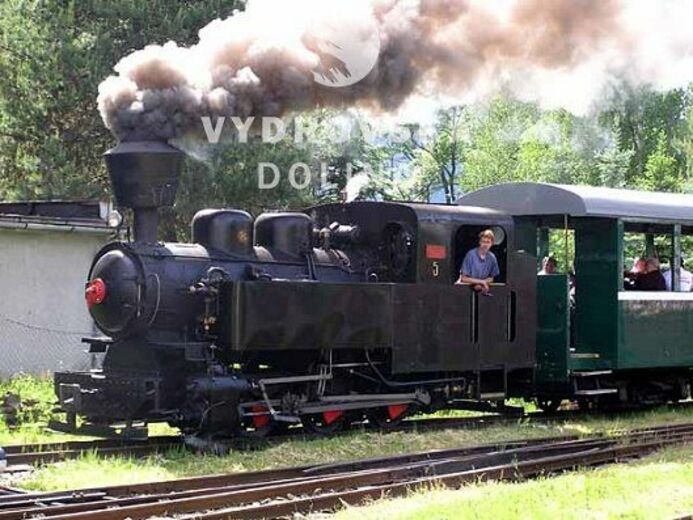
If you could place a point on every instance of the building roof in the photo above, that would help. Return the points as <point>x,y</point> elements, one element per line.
<point>86,209</point>
<point>528,198</point>
<point>58,215</point>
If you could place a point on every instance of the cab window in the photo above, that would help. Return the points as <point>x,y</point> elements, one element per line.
<point>467,238</point>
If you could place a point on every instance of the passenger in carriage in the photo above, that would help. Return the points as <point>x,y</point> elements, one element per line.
<point>548,266</point>
<point>686,278</point>
<point>630,277</point>
<point>480,265</point>
<point>639,265</point>
<point>652,279</point>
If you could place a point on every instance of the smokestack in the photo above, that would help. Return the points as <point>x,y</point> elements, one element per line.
<point>144,176</point>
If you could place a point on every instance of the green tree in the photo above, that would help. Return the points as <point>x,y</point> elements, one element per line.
<point>496,130</point>
<point>661,170</point>
<point>439,161</point>
<point>644,118</point>
<point>612,167</point>
<point>347,145</point>
<point>53,55</point>
<point>684,141</point>
<point>559,147</point>
<point>230,178</point>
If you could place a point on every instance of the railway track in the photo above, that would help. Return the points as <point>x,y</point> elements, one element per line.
<point>31,454</point>
<point>21,457</point>
<point>283,492</point>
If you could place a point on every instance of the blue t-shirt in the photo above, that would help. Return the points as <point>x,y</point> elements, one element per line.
<point>476,267</point>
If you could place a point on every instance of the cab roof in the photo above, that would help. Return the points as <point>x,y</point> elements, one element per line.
<point>427,211</point>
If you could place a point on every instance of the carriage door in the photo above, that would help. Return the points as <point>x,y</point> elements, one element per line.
<point>553,327</point>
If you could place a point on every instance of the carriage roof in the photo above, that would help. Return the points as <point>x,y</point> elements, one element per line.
<point>528,198</point>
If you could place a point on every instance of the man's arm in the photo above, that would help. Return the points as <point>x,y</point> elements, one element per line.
<point>495,270</point>
<point>474,281</point>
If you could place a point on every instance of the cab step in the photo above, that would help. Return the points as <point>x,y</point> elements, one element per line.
<point>594,373</point>
<point>597,391</point>
<point>590,383</point>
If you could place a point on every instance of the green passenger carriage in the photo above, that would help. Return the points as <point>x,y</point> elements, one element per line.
<point>603,344</point>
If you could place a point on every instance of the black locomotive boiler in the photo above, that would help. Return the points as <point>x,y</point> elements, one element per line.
<point>318,317</point>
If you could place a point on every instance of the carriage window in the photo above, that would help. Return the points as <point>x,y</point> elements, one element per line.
<point>467,238</point>
<point>559,245</point>
<point>647,260</point>
<point>686,260</point>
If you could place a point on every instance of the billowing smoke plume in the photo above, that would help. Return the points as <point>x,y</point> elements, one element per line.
<point>277,57</point>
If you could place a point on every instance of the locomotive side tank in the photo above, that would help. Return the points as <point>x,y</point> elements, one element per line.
<point>319,317</point>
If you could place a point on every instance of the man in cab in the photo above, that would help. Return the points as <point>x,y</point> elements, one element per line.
<point>480,265</point>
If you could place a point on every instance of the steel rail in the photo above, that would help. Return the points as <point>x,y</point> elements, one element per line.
<point>265,476</point>
<point>408,471</point>
<point>54,452</point>
<point>527,469</point>
<point>88,444</point>
<point>346,481</point>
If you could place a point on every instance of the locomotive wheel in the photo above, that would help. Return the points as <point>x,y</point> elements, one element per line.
<point>258,432</point>
<point>548,405</point>
<point>388,416</point>
<point>326,423</point>
<point>586,405</point>
<point>262,425</point>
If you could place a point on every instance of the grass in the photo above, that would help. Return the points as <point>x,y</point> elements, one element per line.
<point>91,470</point>
<point>38,400</point>
<point>658,486</point>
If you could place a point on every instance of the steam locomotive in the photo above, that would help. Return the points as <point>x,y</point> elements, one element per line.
<point>323,317</point>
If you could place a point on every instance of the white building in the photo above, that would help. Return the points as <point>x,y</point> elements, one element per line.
<point>46,249</point>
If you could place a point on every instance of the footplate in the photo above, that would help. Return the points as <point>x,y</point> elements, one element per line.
<point>118,396</point>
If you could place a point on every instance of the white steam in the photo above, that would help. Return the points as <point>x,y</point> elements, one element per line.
<point>355,185</point>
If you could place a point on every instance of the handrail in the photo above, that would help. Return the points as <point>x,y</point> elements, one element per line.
<point>655,296</point>
<point>492,284</point>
